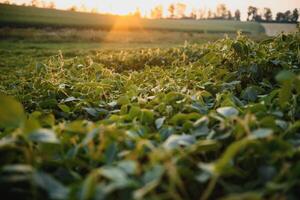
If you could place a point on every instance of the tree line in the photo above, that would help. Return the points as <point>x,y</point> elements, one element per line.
<point>179,11</point>
<point>267,16</point>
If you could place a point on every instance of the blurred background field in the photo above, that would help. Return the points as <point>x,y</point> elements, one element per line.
<point>35,33</point>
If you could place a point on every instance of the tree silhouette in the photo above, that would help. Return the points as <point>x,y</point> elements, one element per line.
<point>237,15</point>
<point>222,11</point>
<point>137,13</point>
<point>253,14</point>
<point>209,14</point>
<point>229,15</point>
<point>171,10</point>
<point>51,5</point>
<point>180,10</point>
<point>157,12</point>
<point>295,15</point>
<point>193,14</point>
<point>73,8</point>
<point>268,14</point>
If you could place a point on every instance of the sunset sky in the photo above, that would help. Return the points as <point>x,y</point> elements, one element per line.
<point>127,6</point>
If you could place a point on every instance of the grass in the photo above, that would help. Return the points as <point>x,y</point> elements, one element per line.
<point>273,29</point>
<point>20,16</point>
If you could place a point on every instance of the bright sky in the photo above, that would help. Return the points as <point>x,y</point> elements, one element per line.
<point>127,6</point>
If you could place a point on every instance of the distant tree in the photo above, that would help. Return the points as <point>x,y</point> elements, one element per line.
<point>237,15</point>
<point>268,14</point>
<point>51,5</point>
<point>288,16</point>
<point>94,10</point>
<point>201,13</point>
<point>193,14</point>
<point>222,11</point>
<point>180,10</point>
<point>209,14</point>
<point>34,3</point>
<point>157,12</point>
<point>43,4</point>
<point>82,8</point>
<point>253,14</point>
<point>229,15</point>
<point>280,17</point>
<point>7,2</point>
<point>73,8</point>
<point>171,10</point>
<point>295,15</point>
<point>137,13</point>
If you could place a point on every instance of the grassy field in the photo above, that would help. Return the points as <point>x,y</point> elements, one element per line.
<point>29,16</point>
<point>273,29</point>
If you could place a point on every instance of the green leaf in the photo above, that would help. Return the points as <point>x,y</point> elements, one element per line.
<point>285,76</point>
<point>111,153</point>
<point>43,136</point>
<point>159,122</point>
<point>64,108</point>
<point>228,112</point>
<point>89,186</point>
<point>147,116</point>
<point>40,67</point>
<point>114,174</point>
<point>285,94</point>
<point>128,166</point>
<point>11,112</point>
<point>175,141</point>
<point>261,133</point>
<point>54,188</point>
<point>123,100</point>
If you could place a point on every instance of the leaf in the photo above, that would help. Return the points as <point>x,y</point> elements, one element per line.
<point>223,164</point>
<point>151,180</point>
<point>17,169</point>
<point>43,136</point>
<point>113,104</point>
<point>285,76</point>
<point>111,153</point>
<point>64,108</point>
<point>159,122</point>
<point>128,166</point>
<point>11,112</point>
<point>96,112</point>
<point>54,188</point>
<point>40,67</point>
<point>175,141</point>
<point>228,112</point>
<point>70,99</point>
<point>250,94</point>
<point>134,112</point>
<point>90,137</point>
<point>261,133</point>
<point>285,94</point>
<point>89,186</point>
<point>147,116</point>
<point>48,103</point>
<point>123,100</point>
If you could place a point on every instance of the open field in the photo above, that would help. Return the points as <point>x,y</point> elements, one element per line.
<point>273,29</point>
<point>29,16</point>
<point>71,35</point>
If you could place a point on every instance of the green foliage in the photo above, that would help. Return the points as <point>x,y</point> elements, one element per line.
<point>218,121</point>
